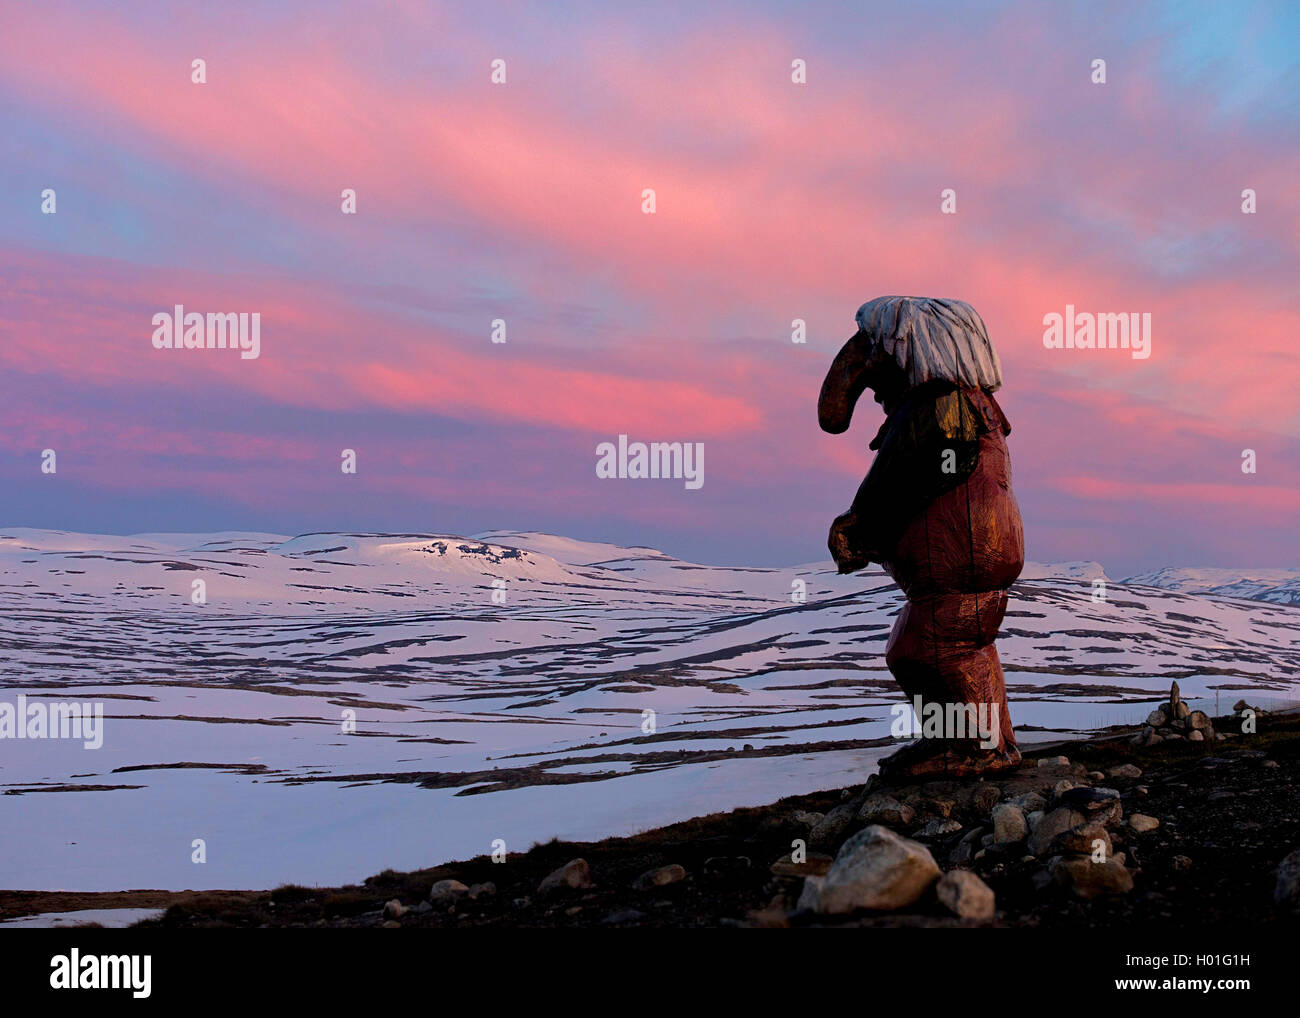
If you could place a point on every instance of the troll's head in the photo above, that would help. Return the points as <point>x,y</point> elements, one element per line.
<point>903,342</point>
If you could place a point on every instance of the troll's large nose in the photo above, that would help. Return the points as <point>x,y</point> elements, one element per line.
<point>845,382</point>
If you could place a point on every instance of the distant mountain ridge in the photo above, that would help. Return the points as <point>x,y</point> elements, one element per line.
<point>1277,586</point>
<point>532,556</point>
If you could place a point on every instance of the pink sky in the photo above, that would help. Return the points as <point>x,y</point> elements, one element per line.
<point>522,202</point>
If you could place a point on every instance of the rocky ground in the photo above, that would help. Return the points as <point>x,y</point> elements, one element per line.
<point>1125,829</point>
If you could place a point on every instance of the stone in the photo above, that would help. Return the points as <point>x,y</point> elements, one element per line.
<point>446,891</point>
<point>966,895</point>
<point>1198,719</point>
<point>877,869</point>
<point>966,848</point>
<point>1056,822</point>
<point>811,893</point>
<point>1182,863</point>
<point>661,877</point>
<point>1087,879</point>
<point>1054,761</point>
<point>574,875</point>
<point>1082,840</point>
<point>1096,776</point>
<point>1029,802</point>
<point>1157,718</point>
<point>1287,892</point>
<point>394,909</point>
<point>484,890</point>
<point>1088,800</point>
<point>827,833</point>
<point>1270,764</point>
<point>1195,736</point>
<point>815,865</point>
<point>807,819</point>
<point>1061,787</point>
<point>626,915</point>
<point>1125,771</point>
<point>1181,711</point>
<point>1175,697</point>
<point>1009,824</point>
<point>938,828</point>
<point>1141,823</point>
<point>1108,816</point>
<point>938,807</point>
<point>884,809</point>
<point>984,797</point>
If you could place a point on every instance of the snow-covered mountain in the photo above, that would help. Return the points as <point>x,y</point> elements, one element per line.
<point>508,684</point>
<point>1280,586</point>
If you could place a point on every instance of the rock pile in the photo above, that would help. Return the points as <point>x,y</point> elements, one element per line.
<point>1058,823</point>
<point>1175,720</point>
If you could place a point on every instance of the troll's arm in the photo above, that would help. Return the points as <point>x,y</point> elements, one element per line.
<point>929,445</point>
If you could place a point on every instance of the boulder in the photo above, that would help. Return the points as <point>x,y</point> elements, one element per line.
<point>661,877</point>
<point>572,876</point>
<point>1141,823</point>
<point>831,828</point>
<point>1082,840</point>
<point>1286,894</point>
<point>966,895</point>
<point>1029,802</point>
<point>394,909</point>
<point>1125,771</point>
<point>884,809</point>
<point>810,895</point>
<point>1088,800</point>
<point>938,828</point>
<point>966,848</point>
<point>445,891</point>
<point>1009,824</point>
<point>877,869</point>
<point>1056,822</point>
<point>984,796</point>
<point>1087,879</point>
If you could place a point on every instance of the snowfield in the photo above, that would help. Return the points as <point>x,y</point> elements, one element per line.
<point>335,704</point>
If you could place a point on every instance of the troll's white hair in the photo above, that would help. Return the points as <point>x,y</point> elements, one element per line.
<point>933,338</point>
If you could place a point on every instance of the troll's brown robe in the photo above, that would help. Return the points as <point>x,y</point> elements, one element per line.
<point>953,542</point>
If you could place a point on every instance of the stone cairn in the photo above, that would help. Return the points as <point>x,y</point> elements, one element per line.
<point>1174,720</point>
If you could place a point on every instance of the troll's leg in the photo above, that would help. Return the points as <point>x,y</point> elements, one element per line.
<point>941,650</point>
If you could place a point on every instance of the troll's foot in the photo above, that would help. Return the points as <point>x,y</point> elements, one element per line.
<point>930,758</point>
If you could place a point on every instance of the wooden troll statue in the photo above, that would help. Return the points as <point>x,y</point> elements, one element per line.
<point>937,512</point>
